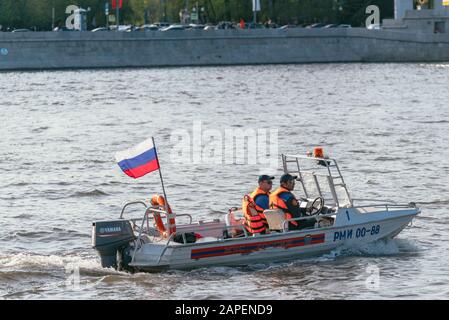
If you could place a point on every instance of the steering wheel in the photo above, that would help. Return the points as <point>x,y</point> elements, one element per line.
<point>316,207</point>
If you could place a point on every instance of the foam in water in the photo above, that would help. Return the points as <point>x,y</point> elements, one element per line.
<point>27,261</point>
<point>376,248</point>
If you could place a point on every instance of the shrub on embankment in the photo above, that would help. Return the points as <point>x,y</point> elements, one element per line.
<point>37,14</point>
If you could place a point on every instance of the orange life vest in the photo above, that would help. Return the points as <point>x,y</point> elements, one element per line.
<point>254,195</point>
<point>277,202</point>
<point>159,201</point>
<point>255,221</point>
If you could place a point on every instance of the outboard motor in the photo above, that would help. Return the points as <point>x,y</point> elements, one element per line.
<point>108,237</point>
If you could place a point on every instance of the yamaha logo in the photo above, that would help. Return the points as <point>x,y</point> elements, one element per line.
<point>110,229</point>
<point>4,51</point>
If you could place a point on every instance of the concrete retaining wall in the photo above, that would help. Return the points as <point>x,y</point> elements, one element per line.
<point>56,50</point>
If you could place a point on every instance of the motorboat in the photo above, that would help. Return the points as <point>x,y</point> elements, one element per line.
<point>139,244</point>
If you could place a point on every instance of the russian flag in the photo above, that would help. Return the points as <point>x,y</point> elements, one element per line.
<point>139,160</point>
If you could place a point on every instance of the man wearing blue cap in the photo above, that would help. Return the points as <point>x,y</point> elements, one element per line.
<point>261,195</point>
<point>255,221</point>
<point>283,199</point>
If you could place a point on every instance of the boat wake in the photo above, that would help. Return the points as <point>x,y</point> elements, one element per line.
<point>390,247</point>
<point>442,202</point>
<point>51,264</point>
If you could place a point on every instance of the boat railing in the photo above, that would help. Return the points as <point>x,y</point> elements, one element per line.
<point>151,217</point>
<point>374,200</point>
<point>387,205</point>
<point>129,204</point>
<point>163,214</point>
<point>152,210</point>
<point>146,218</point>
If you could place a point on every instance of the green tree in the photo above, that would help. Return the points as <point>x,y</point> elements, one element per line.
<point>38,13</point>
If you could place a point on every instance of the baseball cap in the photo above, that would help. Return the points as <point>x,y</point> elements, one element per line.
<point>287,177</point>
<point>265,177</point>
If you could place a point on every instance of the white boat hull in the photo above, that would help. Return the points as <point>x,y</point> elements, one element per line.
<point>358,228</point>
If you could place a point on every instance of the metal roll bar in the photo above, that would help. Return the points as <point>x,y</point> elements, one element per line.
<point>164,214</point>
<point>131,203</point>
<point>328,165</point>
<point>146,217</point>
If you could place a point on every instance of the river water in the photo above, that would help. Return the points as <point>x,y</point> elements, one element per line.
<point>388,124</point>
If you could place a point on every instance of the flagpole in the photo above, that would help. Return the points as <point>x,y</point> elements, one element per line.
<point>162,182</point>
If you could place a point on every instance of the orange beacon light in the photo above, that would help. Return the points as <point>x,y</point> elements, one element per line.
<point>318,152</point>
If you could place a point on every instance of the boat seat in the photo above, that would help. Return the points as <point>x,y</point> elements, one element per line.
<point>275,219</point>
<point>235,219</point>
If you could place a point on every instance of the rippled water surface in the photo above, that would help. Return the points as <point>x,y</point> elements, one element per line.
<point>388,124</point>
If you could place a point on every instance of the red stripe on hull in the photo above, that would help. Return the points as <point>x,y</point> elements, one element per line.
<point>241,248</point>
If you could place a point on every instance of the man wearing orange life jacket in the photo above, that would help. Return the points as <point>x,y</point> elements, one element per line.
<point>258,201</point>
<point>283,199</point>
